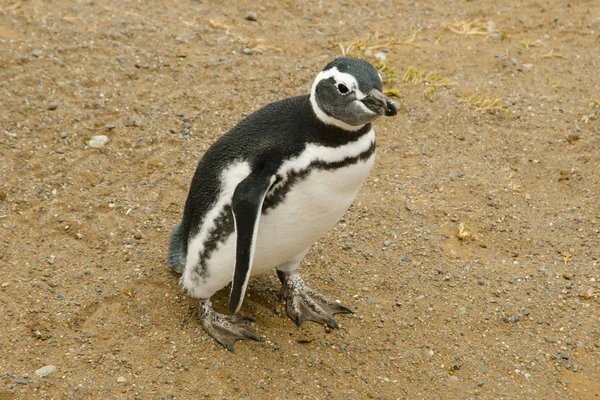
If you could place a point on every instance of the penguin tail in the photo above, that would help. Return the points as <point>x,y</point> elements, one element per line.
<point>176,257</point>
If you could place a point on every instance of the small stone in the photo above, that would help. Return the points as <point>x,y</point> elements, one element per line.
<point>453,378</point>
<point>53,105</point>
<point>567,276</point>
<point>381,56</point>
<point>97,141</point>
<point>550,340</point>
<point>248,51</point>
<point>304,339</point>
<point>406,259</point>
<point>527,67</point>
<point>45,371</point>
<point>251,16</point>
<point>63,135</point>
<point>371,300</point>
<point>4,284</point>
<point>110,127</point>
<point>365,289</point>
<point>121,379</point>
<point>2,195</point>
<point>137,235</point>
<point>572,137</point>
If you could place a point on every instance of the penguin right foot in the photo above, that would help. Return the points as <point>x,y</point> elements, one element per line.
<point>225,329</point>
<point>305,304</point>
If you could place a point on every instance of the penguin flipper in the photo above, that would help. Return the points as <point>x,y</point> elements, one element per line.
<point>247,202</point>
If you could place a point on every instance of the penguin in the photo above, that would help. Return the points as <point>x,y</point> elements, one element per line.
<point>272,186</point>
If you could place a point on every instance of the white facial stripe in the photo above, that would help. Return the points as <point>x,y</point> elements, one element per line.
<point>339,77</point>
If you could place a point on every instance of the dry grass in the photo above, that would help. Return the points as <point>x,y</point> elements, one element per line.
<point>483,103</point>
<point>551,83</point>
<point>551,54</point>
<point>470,28</point>
<point>431,79</point>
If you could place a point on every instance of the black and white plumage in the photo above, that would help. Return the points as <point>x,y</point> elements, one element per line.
<point>273,185</point>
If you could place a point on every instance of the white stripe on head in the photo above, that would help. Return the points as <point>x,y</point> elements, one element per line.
<point>340,77</point>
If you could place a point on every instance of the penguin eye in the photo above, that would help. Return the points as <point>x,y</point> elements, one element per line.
<point>343,89</point>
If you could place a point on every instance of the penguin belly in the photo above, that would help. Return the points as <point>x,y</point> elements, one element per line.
<point>312,207</point>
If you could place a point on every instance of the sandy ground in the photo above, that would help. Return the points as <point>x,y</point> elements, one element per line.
<point>470,257</point>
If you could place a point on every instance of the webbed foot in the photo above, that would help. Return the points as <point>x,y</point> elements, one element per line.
<point>304,304</point>
<point>225,329</point>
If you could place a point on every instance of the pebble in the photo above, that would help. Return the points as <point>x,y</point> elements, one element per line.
<point>45,371</point>
<point>137,235</point>
<point>121,379</point>
<point>110,127</point>
<point>527,66</point>
<point>381,56</point>
<point>371,300</point>
<point>251,16</point>
<point>248,51</point>
<point>406,259</point>
<point>97,141</point>
<point>567,276</point>
<point>53,105</point>
<point>550,340</point>
<point>365,289</point>
<point>453,378</point>
<point>303,338</point>
<point>63,135</point>
<point>572,137</point>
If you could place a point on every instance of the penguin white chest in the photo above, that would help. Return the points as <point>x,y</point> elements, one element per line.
<point>323,184</point>
<point>311,207</point>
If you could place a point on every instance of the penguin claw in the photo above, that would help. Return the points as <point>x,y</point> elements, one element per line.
<point>225,329</point>
<point>304,304</point>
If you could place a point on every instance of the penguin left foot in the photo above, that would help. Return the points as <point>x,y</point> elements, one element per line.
<point>225,329</point>
<point>304,304</point>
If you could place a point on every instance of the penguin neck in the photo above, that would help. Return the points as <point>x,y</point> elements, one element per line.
<point>332,135</point>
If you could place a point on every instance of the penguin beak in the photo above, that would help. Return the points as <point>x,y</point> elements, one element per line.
<point>380,104</point>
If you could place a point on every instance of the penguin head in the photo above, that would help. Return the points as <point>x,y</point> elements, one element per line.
<point>347,94</point>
